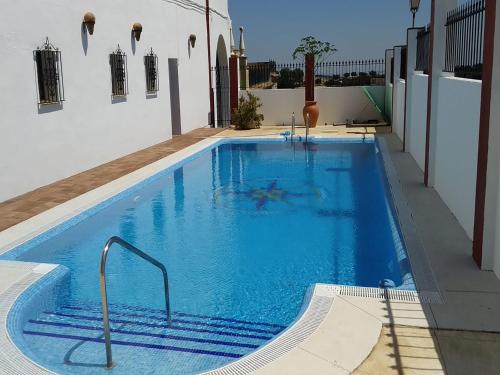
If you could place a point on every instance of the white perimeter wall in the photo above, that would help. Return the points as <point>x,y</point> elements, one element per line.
<point>38,147</point>
<point>336,104</point>
<point>456,146</point>
<point>417,118</point>
<point>398,110</point>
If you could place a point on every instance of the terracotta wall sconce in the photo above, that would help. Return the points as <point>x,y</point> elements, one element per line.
<point>137,30</point>
<point>192,40</point>
<point>89,22</point>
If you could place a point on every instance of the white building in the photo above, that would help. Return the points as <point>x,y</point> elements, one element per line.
<point>41,143</point>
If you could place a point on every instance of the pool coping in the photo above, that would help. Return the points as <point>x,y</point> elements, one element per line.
<point>365,299</point>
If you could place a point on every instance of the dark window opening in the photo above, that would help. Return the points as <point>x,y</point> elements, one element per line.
<point>404,63</point>
<point>152,76</point>
<point>392,69</point>
<point>118,62</point>
<point>49,74</point>
<point>423,45</point>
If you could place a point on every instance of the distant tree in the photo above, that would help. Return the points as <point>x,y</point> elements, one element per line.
<point>311,46</point>
<point>290,79</point>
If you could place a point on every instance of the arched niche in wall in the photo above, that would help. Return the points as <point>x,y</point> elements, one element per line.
<point>223,112</point>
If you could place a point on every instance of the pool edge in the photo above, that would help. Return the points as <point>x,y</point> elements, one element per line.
<point>12,358</point>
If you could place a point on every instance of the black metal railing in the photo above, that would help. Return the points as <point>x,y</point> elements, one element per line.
<point>260,73</point>
<point>465,40</point>
<point>423,48</point>
<point>49,74</point>
<point>350,73</point>
<point>335,73</point>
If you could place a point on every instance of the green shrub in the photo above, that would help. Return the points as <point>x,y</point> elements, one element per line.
<point>247,116</point>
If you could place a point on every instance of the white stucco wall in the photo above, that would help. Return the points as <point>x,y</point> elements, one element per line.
<point>456,146</point>
<point>40,146</point>
<point>336,104</point>
<point>417,117</point>
<point>398,110</point>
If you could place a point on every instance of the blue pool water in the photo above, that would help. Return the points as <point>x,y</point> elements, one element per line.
<point>243,229</point>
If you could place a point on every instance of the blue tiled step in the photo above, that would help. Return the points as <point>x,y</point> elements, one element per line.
<point>145,328</point>
<point>179,321</point>
<point>146,334</point>
<point>136,344</point>
<point>157,325</point>
<point>119,307</point>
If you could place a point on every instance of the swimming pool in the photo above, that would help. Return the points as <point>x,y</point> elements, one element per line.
<point>244,228</point>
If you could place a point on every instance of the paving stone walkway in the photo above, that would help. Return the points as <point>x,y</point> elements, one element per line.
<point>23,207</point>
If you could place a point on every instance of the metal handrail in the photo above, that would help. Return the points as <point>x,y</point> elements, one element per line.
<point>104,295</point>
<point>293,125</point>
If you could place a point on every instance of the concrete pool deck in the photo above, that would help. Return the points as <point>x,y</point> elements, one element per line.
<point>450,337</point>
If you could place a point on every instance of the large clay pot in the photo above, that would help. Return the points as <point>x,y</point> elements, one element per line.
<point>312,109</point>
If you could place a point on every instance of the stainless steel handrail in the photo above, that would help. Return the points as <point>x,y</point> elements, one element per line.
<point>104,295</point>
<point>293,125</point>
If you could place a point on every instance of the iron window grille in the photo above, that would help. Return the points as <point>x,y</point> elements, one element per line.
<point>49,76</point>
<point>152,76</point>
<point>119,79</point>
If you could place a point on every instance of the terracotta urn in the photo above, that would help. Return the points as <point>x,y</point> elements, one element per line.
<point>312,109</point>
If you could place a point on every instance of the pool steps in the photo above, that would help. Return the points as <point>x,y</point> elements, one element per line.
<point>148,329</point>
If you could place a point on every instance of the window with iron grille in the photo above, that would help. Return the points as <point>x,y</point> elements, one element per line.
<point>119,82</point>
<point>152,77</point>
<point>49,74</point>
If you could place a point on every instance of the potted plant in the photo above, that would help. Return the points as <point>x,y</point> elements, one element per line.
<point>247,116</point>
<point>312,51</point>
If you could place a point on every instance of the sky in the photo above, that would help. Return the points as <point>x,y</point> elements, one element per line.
<point>359,29</point>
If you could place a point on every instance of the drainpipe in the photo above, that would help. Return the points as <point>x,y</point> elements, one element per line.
<point>210,83</point>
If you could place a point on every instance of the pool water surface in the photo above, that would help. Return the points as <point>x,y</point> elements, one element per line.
<point>243,230</point>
